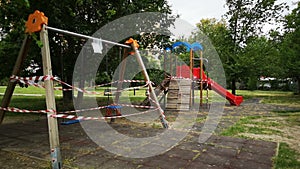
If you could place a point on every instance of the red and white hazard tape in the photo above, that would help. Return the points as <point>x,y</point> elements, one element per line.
<point>82,110</point>
<point>132,88</point>
<point>72,117</point>
<point>17,110</point>
<point>31,81</point>
<point>33,78</point>
<point>136,106</point>
<point>76,88</point>
<point>49,77</point>
<point>13,109</point>
<point>124,81</point>
<point>183,78</point>
<point>158,107</point>
<point>104,107</point>
<point>82,118</point>
<point>132,81</point>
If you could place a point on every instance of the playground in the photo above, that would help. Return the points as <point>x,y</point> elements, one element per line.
<point>20,133</point>
<point>249,132</point>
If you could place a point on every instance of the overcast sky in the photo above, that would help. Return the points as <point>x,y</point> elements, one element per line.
<point>193,11</point>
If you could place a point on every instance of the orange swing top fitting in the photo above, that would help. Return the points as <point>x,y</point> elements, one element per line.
<point>35,22</point>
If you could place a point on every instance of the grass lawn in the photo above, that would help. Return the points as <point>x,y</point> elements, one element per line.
<point>287,158</point>
<point>29,90</point>
<point>272,97</point>
<point>23,99</point>
<point>282,126</point>
<point>257,127</point>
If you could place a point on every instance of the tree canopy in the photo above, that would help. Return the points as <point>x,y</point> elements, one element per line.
<point>81,16</point>
<point>246,19</point>
<point>246,51</point>
<point>290,46</point>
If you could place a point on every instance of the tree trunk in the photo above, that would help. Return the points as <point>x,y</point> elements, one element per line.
<point>233,86</point>
<point>81,77</point>
<point>67,94</point>
<point>298,91</point>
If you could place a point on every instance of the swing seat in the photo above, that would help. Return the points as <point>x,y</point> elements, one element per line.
<point>111,108</point>
<point>70,122</point>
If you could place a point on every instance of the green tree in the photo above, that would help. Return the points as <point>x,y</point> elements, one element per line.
<point>82,16</point>
<point>290,56</point>
<point>259,58</point>
<point>246,19</point>
<point>12,29</point>
<point>219,37</point>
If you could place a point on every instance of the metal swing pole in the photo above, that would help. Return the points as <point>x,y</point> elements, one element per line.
<point>86,36</point>
<point>137,54</point>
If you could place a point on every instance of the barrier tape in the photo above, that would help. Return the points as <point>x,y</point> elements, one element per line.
<point>82,110</point>
<point>158,107</point>
<point>126,81</point>
<point>183,78</point>
<point>17,110</point>
<point>33,78</point>
<point>132,88</point>
<point>72,117</point>
<point>31,81</point>
<point>48,77</point>
<point>13,109</point>
<point>136,106</point>
<point>83,118</point>
<point>104,107</point>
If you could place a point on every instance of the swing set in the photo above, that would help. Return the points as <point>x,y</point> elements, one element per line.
<point>38,23</point>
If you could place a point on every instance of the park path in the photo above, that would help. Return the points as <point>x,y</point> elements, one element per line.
<point>30,140</point>
<point>25,145</point>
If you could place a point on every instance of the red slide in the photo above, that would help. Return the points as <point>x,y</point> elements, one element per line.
<point>183,71</point>
<point>233,99</point>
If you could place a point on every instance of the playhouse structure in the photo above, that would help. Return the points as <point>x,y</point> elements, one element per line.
<point>179,87</point>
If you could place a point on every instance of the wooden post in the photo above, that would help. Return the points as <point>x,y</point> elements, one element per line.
<point>201,79</point>
<point>121,76</point>
<point>50,102</point>
<point>165,59</point>
<point>171,65</point>
<point>192,77</point>
<point>175,65</point>
<point>151,90</point>
<point>16,71</point>
<point>166,75</point>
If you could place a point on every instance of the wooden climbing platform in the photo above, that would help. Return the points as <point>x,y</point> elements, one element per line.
<point>179,95</point>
